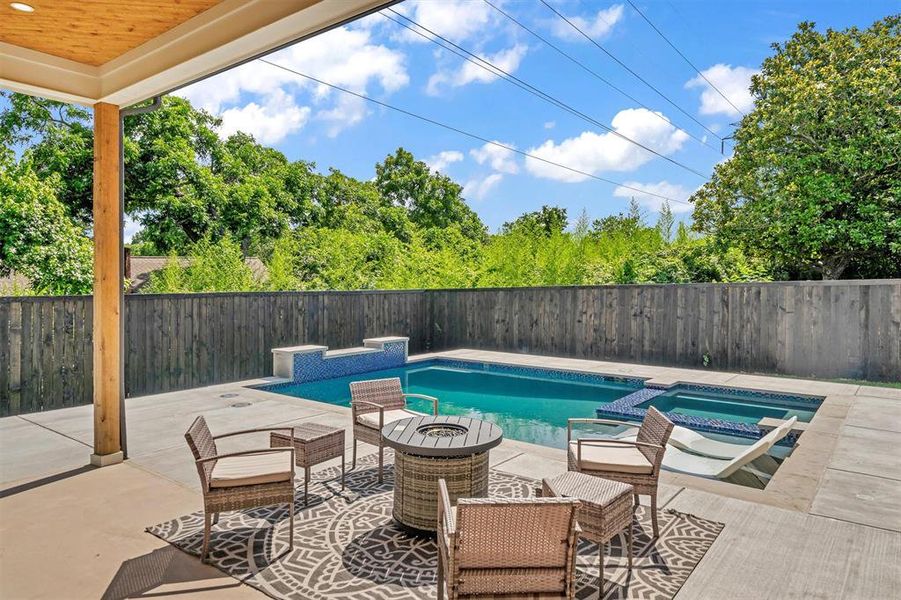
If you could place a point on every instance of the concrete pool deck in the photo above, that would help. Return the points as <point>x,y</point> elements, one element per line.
<point>827,526</point>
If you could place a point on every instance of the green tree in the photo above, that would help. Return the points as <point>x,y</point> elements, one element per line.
<point>219,266</point>
<point>548,220</point>
<point>59,147</point>
<point>37,236</point>
<point>814,185</point>
<point>168,181</point>
<point>282,266</point>
<point>213,266</point>
<point>433,199</point>
<point>665,222</point>
<point>623,224</point>
<point>171,279</point>
<point>339,259</point>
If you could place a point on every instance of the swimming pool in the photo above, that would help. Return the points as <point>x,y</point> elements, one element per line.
<point>532,404</point>
<point>529,404</point>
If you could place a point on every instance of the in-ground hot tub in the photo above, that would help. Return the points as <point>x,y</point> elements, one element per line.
<point>714,409</point>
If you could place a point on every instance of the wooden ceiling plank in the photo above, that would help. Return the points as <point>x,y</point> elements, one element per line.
<point>93,32</point>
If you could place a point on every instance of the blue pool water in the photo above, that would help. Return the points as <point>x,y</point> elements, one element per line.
<point>528,404</point>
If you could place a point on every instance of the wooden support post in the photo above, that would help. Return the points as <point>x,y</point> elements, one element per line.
<point>108,288</point>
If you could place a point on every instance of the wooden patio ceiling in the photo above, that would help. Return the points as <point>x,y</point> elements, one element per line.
<point>124,51</point>
<point>93,32</point>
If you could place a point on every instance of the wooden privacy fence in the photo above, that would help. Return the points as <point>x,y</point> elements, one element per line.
<point>822,329</point>
<point>181,341</point>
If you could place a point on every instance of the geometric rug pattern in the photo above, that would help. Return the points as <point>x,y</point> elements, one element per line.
<point>346,545</point>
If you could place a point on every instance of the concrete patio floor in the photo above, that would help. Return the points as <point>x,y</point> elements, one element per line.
<point>827,526</point>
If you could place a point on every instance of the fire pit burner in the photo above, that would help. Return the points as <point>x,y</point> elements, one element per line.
<point>442,430</point>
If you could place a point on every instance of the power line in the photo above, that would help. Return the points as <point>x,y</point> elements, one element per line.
<point>595,74</point>
<point>685,58</point>
<point>627,68</point>
<point>467,133</point>
<point>499,72</point>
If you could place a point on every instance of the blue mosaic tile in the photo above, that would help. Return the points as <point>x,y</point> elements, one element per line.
<point>544,372</point>
<point>798,399</point>
<point>313,366</point>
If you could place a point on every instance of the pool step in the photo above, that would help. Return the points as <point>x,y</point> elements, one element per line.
<point>306,363</point>
<point>767,424</point>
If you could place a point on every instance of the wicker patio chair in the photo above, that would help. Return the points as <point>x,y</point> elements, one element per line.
<point>634,462</point>
<point>506,547</point>
<point>238,480</point>
<point>374,404</point>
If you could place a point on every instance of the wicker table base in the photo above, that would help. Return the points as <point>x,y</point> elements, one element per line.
<point>314,443</point>
<point>606,510</point>
<point>416,486</point>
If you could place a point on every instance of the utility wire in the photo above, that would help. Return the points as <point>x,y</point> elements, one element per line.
<point>685,58</point>
<point>499,72</point>
<point>468,134</point>
<point>596,75</point>
<point>627,68</point>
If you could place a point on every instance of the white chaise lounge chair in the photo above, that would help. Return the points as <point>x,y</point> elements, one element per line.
<point>715,468</point>
<point>691,441</point>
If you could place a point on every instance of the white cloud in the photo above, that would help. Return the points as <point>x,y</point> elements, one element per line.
<point>269,123</point>
<point>734,82</point>
<point>674,191</point>
<point>596,26</point>
<point>469,72</point>
<point>550,124</point>
<point>345,56</point>
<point>440,161</point>
<point>500,159</point>
<point>477,189</point>
<point>131,227</point>
<point>457,20</point>
<point>347,111</point>
<point>593,152</point>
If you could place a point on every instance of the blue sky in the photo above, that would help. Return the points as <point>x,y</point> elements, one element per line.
<point>726,40</point>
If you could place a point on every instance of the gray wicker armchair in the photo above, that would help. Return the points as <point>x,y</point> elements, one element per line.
<point>374,404</point>
<point>506,547</point>
<point>636,463</point>
<point>238,480</point>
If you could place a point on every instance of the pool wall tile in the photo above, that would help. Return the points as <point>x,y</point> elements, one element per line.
<point>547,373</point>
<point>314,363</point>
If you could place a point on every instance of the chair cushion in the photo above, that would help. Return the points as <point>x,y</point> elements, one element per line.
<point>518,582</point>
<point>621,458</point>
<point>253,469</point>
<point>371,419</point>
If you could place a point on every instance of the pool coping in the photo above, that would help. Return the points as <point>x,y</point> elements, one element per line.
<point>794,484</point>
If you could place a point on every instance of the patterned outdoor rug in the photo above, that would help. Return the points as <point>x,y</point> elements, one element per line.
<point>346,545</point>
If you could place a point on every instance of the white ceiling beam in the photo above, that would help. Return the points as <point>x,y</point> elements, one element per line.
<point>39,74</point>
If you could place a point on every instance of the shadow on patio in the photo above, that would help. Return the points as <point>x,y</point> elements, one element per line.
<point>164,572</point>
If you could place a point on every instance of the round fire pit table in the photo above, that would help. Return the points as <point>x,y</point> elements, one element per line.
<point>427,449</point>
